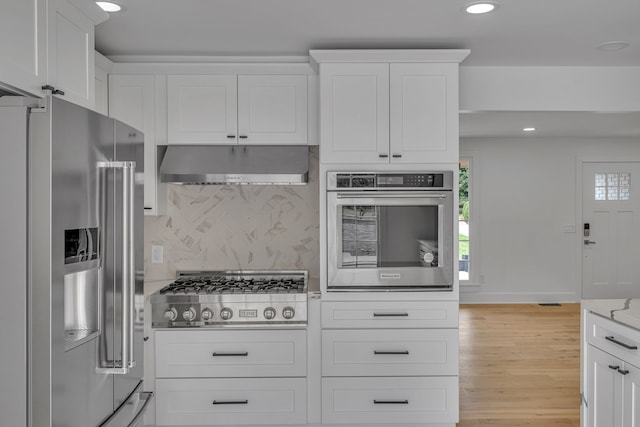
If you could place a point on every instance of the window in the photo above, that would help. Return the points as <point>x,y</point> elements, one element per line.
<point>464,229</point>
<point>613,186</point>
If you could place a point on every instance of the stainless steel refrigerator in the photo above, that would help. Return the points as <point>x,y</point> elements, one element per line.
<point>71,259</point>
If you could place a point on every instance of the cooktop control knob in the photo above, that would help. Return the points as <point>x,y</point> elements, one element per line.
<point>269,313</point>
<point>428,257</point>
<point>206,314</point>
<point>226,313</point>
<point>170,314</point>
<point>189,314</point>
<point>288,313</point>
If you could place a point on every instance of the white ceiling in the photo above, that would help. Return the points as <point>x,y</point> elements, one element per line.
<point>518,33</point>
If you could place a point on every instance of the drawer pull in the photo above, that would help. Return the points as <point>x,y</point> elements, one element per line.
<point>390,402</point>
<point>623,371</point>
<point>230,402</point>
<point>620,343</point>
<point>391,352</point>
<point>246,353</point>
<point>614,367</point>
<point>390,314</point>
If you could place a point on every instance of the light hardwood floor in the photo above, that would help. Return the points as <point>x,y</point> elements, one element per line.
<point>519,365</point>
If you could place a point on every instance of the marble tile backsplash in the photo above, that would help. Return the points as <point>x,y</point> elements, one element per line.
<point>237,227</point>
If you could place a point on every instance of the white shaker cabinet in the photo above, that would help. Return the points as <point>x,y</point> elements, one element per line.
<point>611,373</point>
<point>388,105</point>
<point>132,99</point>
<point>23,50</point>
<point>231,109</point>
<point>389,113</point>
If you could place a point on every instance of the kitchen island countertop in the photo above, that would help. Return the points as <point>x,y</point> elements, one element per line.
<point>625,311</point>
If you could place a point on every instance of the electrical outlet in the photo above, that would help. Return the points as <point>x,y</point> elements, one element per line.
<point>157,254</point>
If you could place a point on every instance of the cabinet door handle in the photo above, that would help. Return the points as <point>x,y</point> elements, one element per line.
<point>390,314</point>
<point>614,367</point>
<point>621,344</point>
<point>231,136</point>
<point>243,137</point>
<point>396,156</point>
<point>391,352</point>
<point>390,402</point>
<point>623,371</point>
<point>383,156</point>
<point>246,353</point>
<point>230,402</point>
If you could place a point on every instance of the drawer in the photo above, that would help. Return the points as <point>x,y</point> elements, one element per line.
<point>614,338</point>
<point>231,353</point>
<point>390,400</point>
<point>390,314</point>
<point>231,401</point>
<point>389,352</point>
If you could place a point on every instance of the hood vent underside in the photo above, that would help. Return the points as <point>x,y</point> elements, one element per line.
<point>238,164</point>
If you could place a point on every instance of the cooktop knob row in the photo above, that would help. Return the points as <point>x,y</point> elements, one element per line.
<point>226,313</point>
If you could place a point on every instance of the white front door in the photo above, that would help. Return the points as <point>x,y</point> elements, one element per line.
<point>610,230</point>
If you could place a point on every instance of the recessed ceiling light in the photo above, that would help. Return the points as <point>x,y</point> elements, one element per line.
<point>109,6</point>
<point>529,129</point>
<point>614,45</point>
<point>481,7</point>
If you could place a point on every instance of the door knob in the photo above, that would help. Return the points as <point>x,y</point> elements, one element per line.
<point>589,242</point>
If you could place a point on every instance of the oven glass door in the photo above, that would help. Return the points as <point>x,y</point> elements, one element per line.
<point>394,239</point>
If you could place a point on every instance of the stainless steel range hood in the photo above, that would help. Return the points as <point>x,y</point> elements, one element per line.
<point>238,164</point>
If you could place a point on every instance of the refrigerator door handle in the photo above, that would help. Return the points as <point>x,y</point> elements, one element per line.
<point>128,267</point>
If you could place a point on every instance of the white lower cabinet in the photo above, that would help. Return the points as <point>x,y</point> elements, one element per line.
<point>612,383</point>
<point>390,400</point>
<point>225,401</point>
<point>390,362</point>
<point>231,377</point>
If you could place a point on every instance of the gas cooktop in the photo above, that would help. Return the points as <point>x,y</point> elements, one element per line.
<point>232,298</point>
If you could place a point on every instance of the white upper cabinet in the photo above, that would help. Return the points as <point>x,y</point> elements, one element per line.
<point>424,113</point>
<point>202,109</point>
<point>23,51</point>
<point>50,43</point>
<point>389,106</point>
<point>354,113</point>
<point>249,109</point>
<point>132,100</point>
<point>272,109</point>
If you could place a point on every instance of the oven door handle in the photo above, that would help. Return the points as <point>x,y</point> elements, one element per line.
<point>388,195</point>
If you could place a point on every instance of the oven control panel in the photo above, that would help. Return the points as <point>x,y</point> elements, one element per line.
<point>426,180</point>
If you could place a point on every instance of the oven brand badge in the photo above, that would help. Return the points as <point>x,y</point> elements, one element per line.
<point>390,276</point>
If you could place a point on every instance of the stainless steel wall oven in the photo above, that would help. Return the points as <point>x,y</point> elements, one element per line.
<point>390,231</point>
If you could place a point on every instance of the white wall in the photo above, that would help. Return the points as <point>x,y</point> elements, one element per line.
<point>526,194</point>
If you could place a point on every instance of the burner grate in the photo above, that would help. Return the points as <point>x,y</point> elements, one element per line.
<point>226,285</point>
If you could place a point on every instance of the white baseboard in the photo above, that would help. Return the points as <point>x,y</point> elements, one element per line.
<point>474,296</point>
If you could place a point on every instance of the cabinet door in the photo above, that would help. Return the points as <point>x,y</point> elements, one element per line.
<point>631,393</point>
<point>101,91</point>
<point>23,51</point>
<point>71,55</point>
<point>132,100</point>
<point>202,109</point>
<point>604,389</point>
<point>424,113</point>
<point>354,113</point>
<point>272,109</point>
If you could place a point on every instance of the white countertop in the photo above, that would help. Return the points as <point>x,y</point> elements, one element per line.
<point>625,311</point>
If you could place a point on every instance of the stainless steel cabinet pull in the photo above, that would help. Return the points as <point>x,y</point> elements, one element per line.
<point>231,136</point>
<point>390,314</point>
<point>391,402</point>
<point>243,137</point>
<point>623,371</point>
<point>246,353</point>
<point>620,343</point>
<point>391,352</point>
<point>230,402</point>
<point>396,156</point>
<point>614,367</point>
<point>383,156</point>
